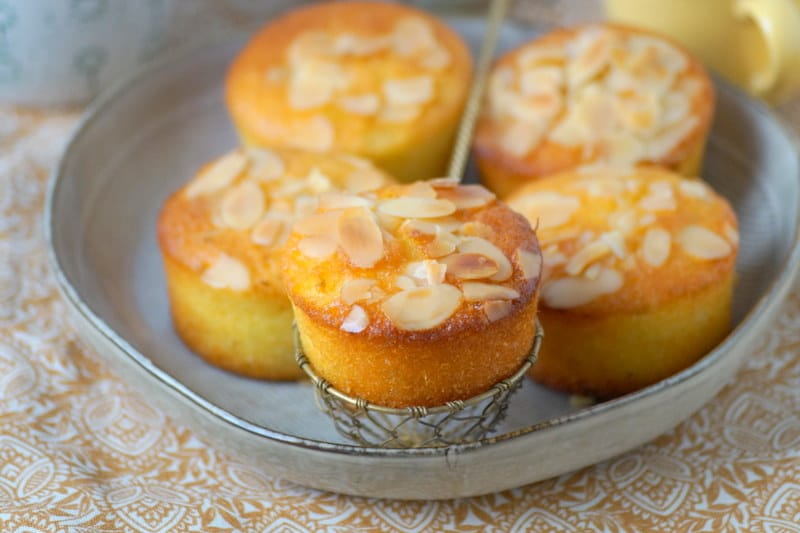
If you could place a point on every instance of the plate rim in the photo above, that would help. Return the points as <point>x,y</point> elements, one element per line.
<point>773,296</point>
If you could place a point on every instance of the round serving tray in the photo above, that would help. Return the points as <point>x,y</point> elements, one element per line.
<point>143,140</point>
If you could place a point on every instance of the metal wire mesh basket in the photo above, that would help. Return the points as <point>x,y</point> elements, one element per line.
<point>456,422</point>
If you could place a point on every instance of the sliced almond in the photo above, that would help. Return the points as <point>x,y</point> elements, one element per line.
<point>422,308</point>
<point>474,228</point>
<point>417,207</point>
<point>400,114</point>
<point>497,309</point>
<point>316,134</point>
<point>357,45</point>
<point>470,266</point>
<point>659,198</point>
<point>269,232</point>
<point>363,104</point>
<point>538,54</point>
<point>360,237</point>
<point>546,79</point>
<point>419,189</point>
<point>242,206</point>
<point>656,246</point>
<point>317,181</point>
<point>324,224</point>
<point>265,164</point>
<point>356,290</point>
<point>467,196</point>
<point>416,228</point>
<point>338,200</point>
<point>443,243</point>
<point>566,293</point>
<point>624,221</point>
<point>586,256</point>
<point>475,291</point>
<point>444,183</point>
<point>317,246</point>
<point>520,138</point>
<point>227,273</point>
<point>305,205</point>
<point>436,59</point>
<point>694,189</point>
<point>409,91</point>
<point>364,179</point>
<point>624,150</point>
<point>670,138</point>
<point>309,45</point>
<point>477,245</point>
<point>616,242</point>
<point>703,243</point>
<point>731,234</point>
<point>412,35</point>
<point>405,283</point>
<point>530,263</point>
<point>592,53</point>
<point>547,209</point>
<point>218,175</point>
<point>428,272</point>
<point>356,321</point>
<point>308,96</point>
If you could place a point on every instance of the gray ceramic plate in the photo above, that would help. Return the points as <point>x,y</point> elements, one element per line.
<point>148,137</point>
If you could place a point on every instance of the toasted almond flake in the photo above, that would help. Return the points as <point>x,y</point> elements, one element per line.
<point>360,237</point>
<point>647,219</point>
<point>309,96</point>
<point>405,283</point>
<point>659,197</point>
<point>676,108</point>
<point>305,205</point>
<point>356,45</point>
<point>428,272</point>
<point>530,263</point>
<point>624,221</point>
<point>242,205</point>
<point>566,293</point>
<point>316,134</point>
<point>539,54</point>
<point>363,104</point>
<point>388,222</point>
<point>318,182</point>
<point>408,91</point>
<point>595,112</point>
<point>417,207</point>
<point>444,183</point>
<point>422,308</point>
<point>593,272</point>
<point>497,309</point>
<point>500,86</point>
<point>670,138</point>
<point>400,114</point>
<point>218,175</point>
<point>476,291</point>
<point>269,232</point>
<point>477,245</point>
<point>519,138</point>
<point>412,35</point>
<point>694,189</point>
<point>419,189</point>
<point>623,150</point>
<point>474,228</point>
<point>356,321</point>
<point>537,109</point>
<point>703,243</point>
<point>593,52</point>
<point>227,273</point>
<point>548,209</point>
<point>319,224</point>
<point>309,45</point>
<point>656,246</point>
<point>544,79</point>
<point>467,196</point>
<point>616,242</point>
<point>364,179</point>
<point>586,256</point>
<point>265,164</point>
<point>470,266</point>
<point>731,234</point>
<point>317,246</point>
<point>436,59</point>
<point>338,200</point>
<point>356,290</point>
<point>443,243</point>
<point>416,228</point>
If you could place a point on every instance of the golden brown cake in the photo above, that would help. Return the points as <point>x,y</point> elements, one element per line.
<point>638,276</point>
<point>382,80</point>
<point>414,295</point>
<point>221,237</point>
<point>597,94</point>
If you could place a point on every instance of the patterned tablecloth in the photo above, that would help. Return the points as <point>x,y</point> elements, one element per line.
<point>81,451</point>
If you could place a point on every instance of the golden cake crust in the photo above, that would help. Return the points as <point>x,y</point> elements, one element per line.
<point>638,275</point>
<point>542,116</point>
<point>374,79</point>
<point>375,328</point>
<point>221,236</point>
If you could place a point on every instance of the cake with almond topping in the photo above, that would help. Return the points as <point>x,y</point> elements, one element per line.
<point>221,236</point>
<point>414,295</point>
<point>381,80</point>
<point>638,276</point>
<point>599,94</point>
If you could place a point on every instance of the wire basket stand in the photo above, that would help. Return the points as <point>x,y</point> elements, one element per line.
<point>456,422</point>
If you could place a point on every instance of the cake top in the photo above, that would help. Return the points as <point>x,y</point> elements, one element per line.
<point>613,239</point>
<point>233,218</point>
<point>429,256</point>
<point>357,76</point>
<point>621,95</point>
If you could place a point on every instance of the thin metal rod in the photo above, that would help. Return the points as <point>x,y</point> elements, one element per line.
<point>458,161</point>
